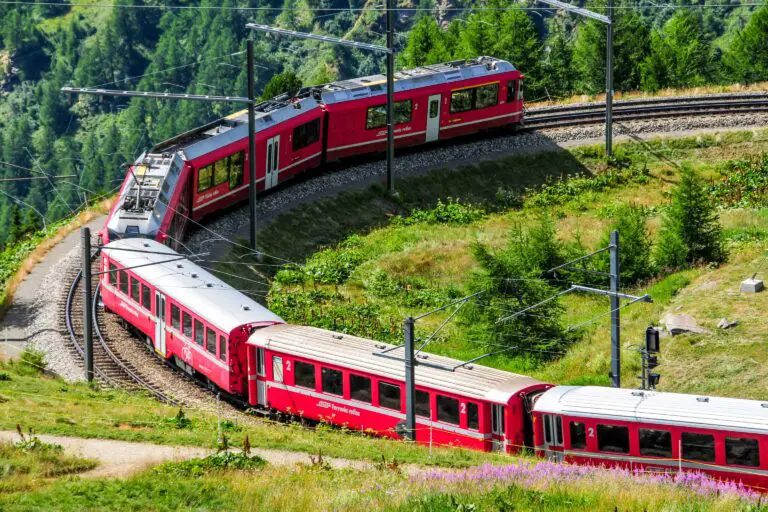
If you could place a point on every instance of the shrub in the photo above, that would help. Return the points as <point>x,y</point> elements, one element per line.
<point>33,360</point>
<point>180,421</point>
<point>452,212</point>
<point>744,183</point>
<point>634,244</point>
<point>196,468</point>
<point>690,229</point>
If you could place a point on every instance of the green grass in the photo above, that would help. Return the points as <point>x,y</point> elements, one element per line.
<point>431,262</point>
<point>317,487</point>
<point>27,465</point>
<point>48,405</point>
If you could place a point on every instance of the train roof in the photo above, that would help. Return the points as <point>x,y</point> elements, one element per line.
<point>222,132</point>
<point>423,76</point>
<point>656,407</point>
<point>352,352</point>
<point>190,285</point>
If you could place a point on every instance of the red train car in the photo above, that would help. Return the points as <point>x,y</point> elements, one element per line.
<point>338,378</point>
<point>205,170</point>
<point>185,313</point>
<point>726,438</point>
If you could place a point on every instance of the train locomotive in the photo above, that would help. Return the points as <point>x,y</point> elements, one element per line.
<point>242,349</point>
<point>202,171</point>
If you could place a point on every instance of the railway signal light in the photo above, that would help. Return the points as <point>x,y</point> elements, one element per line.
<point>653,362</point>
<point>653,380</point>
<point>652,342</point>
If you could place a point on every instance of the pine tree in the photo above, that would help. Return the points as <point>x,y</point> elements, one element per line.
<point>285,82</point>
<point>558,70</point>
<point>690,229</point>
<point>426,45</point>
<point>746,59</point>
<point>635,244</point>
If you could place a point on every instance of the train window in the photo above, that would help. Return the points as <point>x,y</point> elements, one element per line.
<point>123,282</point>
<point>558,430</point>
<point>146,297</point>
<point>236,163</point>
<point>487,96</point>
<point>333,381</point>
<point>220,171</point>
<point>223,350</point>
<point>175,317</point>
<point>199,332</point>
<point>422,406</point>
<point>655,443</point>
<point>112,274</point>
<point>462,100</point>
<point>210,340</point>
<point>742,451</point>
<point>377,116</point>
<point>698,447</point>
<point>511,91</point>
<point>277,369</point>
<point>578,435</point>
<point>547,429</point>
<point>434,108</point>
<point>204,178</point>
<point>304,374</point>
<point>360,388</point>
<point>389,395</point>
<point>612,438</point>
<point>306,134</point>
<point>135,291</point>
<point>187,322</point>
<point>473,416</point>
<point>447,409</point>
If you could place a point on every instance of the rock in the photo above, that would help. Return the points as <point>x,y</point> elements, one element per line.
<point>680,323</point>
<point>725,324</point>
<point>751,285</point>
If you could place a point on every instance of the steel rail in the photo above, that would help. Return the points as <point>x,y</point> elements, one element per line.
<point>116,360</point>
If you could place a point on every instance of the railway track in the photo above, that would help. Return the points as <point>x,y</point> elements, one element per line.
<point>110,369</point>
<point>646,109</point>
<point>121,361</point>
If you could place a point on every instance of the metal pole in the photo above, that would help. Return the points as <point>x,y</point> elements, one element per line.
<point>615,318</point>
<point>251,144</point>
<point>87,304</point>
<point>390,96</point>
<point>609,84</point>
<point>410,381</point>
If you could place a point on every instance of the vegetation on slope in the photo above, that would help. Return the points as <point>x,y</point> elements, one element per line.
<point>194,48</point>
<point>368,283</point>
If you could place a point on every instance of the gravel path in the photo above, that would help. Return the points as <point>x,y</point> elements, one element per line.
<point>466,151</point>
<point>123,458</point>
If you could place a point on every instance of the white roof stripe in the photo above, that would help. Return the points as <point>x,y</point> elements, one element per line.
<point>205,295</point>
<point>705,412</point>
<point>356,353</point>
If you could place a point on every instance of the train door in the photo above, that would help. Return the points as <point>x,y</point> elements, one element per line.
<point>261,385</point>
<point>553,436</point>
<point>273,162</point>
<point>433,118</point>
<point>160,323</point>
<point>498,437</point>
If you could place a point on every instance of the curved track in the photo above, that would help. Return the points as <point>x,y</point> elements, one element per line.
<point>108,366</point>
<point>114,367</point>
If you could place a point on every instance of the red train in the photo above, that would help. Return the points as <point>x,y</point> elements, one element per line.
<point>204,170</point>
<point>216,333</point>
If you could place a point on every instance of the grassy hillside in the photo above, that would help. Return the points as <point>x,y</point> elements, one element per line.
<point>370,282</point>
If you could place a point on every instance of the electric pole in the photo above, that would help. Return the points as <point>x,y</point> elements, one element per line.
<point>87,304</point>
<point>615,317</point>
<point>251,143</point>
<point>609,84</point>
<point>410,381</point>
<point>390,95</point>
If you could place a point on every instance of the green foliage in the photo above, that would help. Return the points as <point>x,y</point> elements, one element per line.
<point>198,468</point>
<point>180,420</point>
<point>511,280</point>
<point>681,53</point>
<point>451,212</point>
<point>634,243</point>
<point>282,83</point>
<point>427,44</point>
<point>743,183</point>
<point>690,230</point>
<point>747,57</point>
<point>33,360</point>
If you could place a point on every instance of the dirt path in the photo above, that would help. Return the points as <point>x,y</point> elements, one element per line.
<point>21,314</point>
<point>119,459</point>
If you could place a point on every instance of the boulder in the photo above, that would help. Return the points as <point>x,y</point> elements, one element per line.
<point>724,323</point>
<point>680,323</point>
